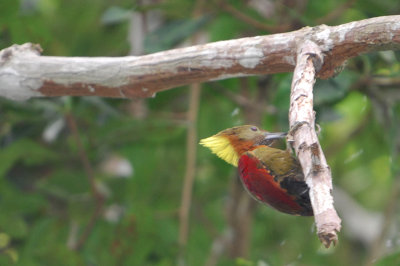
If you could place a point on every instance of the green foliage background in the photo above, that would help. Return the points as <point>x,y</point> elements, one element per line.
<point>44,190</point>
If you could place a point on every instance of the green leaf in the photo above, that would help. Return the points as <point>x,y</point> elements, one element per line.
<point>219,28</point>
<point>333,90</point>
<point>14,225</point>
<point>391,259</point>
<point>28,151</point>
<point>173,33</point>
<point>115,15</point>
<point>14,201</point>
<point>4,240</point>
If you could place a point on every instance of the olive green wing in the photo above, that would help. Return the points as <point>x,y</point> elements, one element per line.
<point>281,162</point>
<point>286,170</point>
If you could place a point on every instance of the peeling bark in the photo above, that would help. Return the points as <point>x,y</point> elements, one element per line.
<point>25,74</point>
<point>304,139</point>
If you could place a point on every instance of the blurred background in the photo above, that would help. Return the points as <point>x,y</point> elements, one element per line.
<point>94,181</point>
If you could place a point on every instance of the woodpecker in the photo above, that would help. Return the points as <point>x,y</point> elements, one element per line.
<point>272,176</point>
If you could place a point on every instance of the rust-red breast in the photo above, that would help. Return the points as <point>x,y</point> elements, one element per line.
<point>266,187</point>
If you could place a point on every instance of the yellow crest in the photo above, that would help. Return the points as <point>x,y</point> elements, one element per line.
<point>222,147</point>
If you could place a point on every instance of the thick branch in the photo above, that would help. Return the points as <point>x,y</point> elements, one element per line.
<point>306,145</point>
<point>25,74</point>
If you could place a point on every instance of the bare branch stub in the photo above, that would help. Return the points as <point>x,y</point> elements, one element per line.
<point>306,144</point>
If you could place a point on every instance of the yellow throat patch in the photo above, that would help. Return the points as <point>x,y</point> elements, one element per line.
<point>222,147</point>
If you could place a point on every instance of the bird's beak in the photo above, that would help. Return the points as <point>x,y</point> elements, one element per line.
<point>272,136</point>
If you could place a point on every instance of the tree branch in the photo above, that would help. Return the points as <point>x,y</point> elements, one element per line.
<point>25,74</point>
<point>191,151</point>
<point>305,142</point>
<point>190,172</point>
<point>96,194</point>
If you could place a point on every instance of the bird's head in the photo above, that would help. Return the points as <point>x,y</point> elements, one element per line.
<point>231,143</point>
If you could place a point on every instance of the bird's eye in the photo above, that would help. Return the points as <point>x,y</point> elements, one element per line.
<point>254,128</point>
